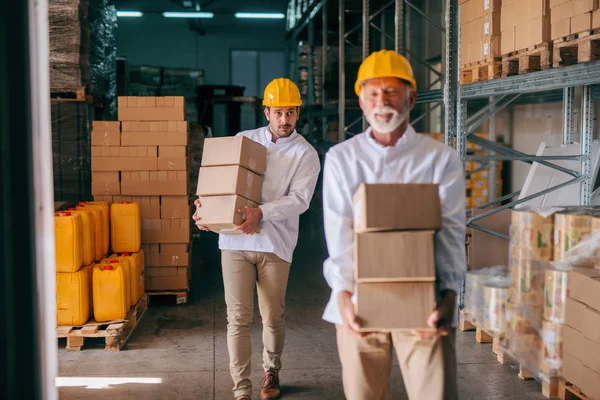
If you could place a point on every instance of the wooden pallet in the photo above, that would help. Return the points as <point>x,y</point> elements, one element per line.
<point>577,48</point>
<point>481,71</point>
<point>181,296</point>
<point>568,391</point>
<point>531,59</point>
<point>66,93</point>
<point>115,333</point>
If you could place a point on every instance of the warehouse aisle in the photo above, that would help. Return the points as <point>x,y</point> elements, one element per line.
<point>180,352</point>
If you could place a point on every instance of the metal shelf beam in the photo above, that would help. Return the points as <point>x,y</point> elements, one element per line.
<point>558,78</point>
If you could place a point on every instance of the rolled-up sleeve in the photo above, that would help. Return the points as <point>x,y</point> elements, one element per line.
<point>450,258</point>
<point>339,227</point>
<point>300,192</point>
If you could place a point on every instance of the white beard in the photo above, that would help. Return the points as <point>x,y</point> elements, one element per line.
<point>387,126</point>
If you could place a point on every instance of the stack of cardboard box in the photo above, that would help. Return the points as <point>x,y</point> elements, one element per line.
<point>479,30</point>
<point>573,16</point>
<point>524,23</point>
<point>146,152</point>
<point>229,179</point>
<point>581,360</point>
<point>394,254</point>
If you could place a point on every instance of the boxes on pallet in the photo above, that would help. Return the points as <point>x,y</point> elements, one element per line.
<point>524,23</point>
<point>172,158</point>
<point>139,158</point>
<point>167,254</point>
<point>154,183</point>
<point>169,108</point>
<point>480,30</point>
<point>172,230</point>
<point>154,133</point>
<point>167,278</point>
<point>573,16</point>
<point>174,207</point>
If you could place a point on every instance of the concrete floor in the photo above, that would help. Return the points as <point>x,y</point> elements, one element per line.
<point>185,346</point>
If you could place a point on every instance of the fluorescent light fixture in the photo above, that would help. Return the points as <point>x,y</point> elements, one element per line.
<point>133,14</point>
<point>177,14</point>
<point>260,15</point>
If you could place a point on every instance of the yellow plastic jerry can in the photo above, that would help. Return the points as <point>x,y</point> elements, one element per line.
<point>127,273</point>
<point>73,297</point>
<point>125,227</point>
<point>68,241</point>
<point>109,291</point>
<point>89,235</point>
<point>142,283</point>
<point>134,274</point>
<point>104,212</point>
<point>96,215</point>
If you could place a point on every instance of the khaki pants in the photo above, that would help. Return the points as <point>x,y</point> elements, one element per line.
<point>428,366</point>
<point>242,270</point>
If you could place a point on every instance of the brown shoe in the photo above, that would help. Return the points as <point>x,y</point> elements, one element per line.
<point>269,388</point>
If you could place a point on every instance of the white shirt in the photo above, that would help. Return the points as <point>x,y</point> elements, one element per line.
<point>414,159</point>
<point>289,182</point>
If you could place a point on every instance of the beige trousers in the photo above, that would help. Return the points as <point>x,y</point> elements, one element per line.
<point>428,366</point>
<point>242,270</point>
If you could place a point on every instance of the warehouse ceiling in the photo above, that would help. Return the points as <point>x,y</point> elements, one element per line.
<point>214,6</point>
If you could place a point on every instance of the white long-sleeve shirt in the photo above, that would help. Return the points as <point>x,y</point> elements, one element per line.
<point>289,182</point>
<point>414,159</point>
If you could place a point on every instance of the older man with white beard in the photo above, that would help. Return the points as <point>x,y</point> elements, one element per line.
<point>390,151</point>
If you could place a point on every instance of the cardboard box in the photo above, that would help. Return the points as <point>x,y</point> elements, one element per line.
<point>106,133</point>
<point>563,11</point>
<point>151,108</point>
<point>581,376</point>
<point>584,6</point>
<point>392,207</point>
<point>154,183</point>
<point>507,17</point>
<point>172,158</point>
<point>395,256</point>
<point>508,42</point>
<point>582,348</point>
<point>176,257</point>
<point>539,30</point>
<point>596,19</point>
<point>583,319</point>
<point>581,23</point>
<point>106,199</point>
<point>394,306</point>
<point>106,184</point>
<point>233,179</point>
<point>124,163</point>
<point>154,133</point>
<point>149,206</point>
<point>236,150</point>
<point>492,6</point>
<point>170,230</point>
<point>554,3</point>
<point>491,47</point>
<point>219,213</point>
<point>491,24</point>
<point>174,207</point>
<point>561,29</point>
<point>584,286</point>
<point>173,282</point>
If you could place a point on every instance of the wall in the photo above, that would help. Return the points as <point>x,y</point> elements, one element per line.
<point>155,40</point>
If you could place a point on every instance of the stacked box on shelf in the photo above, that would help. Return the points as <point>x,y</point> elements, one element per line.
<point>524,23</point>
<point>394,254</point>
<point>479,30</point>
<point>229,179</point>
<point>573,16</point>
<point>150,161</point>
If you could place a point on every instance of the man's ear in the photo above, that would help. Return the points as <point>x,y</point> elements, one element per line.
<point>413,99</point>
<point>267,113</point>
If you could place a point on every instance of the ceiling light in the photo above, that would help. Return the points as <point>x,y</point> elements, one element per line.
<point>187,3</point>
<point>176,14</point>
<point>134,14</point>
<point>260,15</point>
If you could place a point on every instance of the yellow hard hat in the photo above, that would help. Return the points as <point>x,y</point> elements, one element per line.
<point>282,92</point>
<point>385,64</point>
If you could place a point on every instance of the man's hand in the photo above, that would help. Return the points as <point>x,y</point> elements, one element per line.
<point>252,222</point>
<point>196,217</point>
<point>348,314</point>
<point>441,318</point>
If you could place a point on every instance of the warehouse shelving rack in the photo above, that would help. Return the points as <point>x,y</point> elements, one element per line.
<point>495,95</point>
